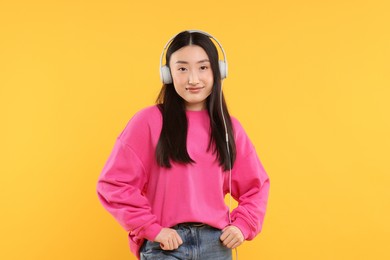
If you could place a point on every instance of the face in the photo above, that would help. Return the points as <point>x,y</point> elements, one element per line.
<point>192,76</point>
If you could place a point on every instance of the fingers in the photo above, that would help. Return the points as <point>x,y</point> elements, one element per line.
<point>169,239</point>
<point>232,237</point>
<point>171,242</point>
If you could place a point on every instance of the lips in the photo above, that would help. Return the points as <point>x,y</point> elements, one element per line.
<point>194,88</point>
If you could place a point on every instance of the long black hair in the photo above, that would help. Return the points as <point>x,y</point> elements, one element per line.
<point>172,144</point>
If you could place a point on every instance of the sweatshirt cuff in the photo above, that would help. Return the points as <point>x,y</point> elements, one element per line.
<point>243,226</point>
<point>151,232</point>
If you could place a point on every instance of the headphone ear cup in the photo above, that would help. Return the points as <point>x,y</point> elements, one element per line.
<point>166,77</point>
<point>223,69</point>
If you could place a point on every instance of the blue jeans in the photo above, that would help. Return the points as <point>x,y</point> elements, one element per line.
<point>200,242</point>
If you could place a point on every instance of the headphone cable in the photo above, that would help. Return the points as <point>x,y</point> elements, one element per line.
<point>230,163</point>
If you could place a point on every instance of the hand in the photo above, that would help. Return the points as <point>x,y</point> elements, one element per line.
<point>232,237</point>
<point>169,239</point>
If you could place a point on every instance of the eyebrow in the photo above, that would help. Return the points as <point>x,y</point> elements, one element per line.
<point>185,62</point>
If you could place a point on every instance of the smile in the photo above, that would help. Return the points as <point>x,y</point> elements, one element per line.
<point>194,89</point>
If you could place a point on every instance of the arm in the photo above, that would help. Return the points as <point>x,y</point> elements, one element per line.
<point>120,187</point>
<point>122,183</point>
<point>250,187</point>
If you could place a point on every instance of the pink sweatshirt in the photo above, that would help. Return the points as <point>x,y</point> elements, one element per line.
<point>144,197</point>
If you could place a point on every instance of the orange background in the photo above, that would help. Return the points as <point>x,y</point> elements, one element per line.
<point>309,80</point>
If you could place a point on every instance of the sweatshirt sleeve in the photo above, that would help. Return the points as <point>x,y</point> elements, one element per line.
<point>250,187</point>
<point>122,182</point>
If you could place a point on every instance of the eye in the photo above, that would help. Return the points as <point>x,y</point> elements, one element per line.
<point>204,67</point>
<point>182,69</point>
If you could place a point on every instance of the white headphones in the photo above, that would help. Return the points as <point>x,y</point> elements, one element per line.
<point>165,73</point>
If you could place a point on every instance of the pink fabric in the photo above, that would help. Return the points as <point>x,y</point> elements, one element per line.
<point>144,197</point>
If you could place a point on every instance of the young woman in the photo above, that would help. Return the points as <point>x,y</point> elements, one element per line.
<point>171,167</point>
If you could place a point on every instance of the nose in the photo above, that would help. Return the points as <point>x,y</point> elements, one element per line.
<point>193,78</point>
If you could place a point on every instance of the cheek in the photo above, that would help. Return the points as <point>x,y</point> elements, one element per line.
<point>210,77</point>
<point>178,79</point>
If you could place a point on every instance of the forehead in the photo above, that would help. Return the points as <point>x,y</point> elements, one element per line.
<point>190,53</point>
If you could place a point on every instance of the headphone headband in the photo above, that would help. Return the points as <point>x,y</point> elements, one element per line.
<point>165,73</point>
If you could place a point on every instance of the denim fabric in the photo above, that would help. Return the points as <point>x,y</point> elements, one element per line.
<point>200,242</point>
